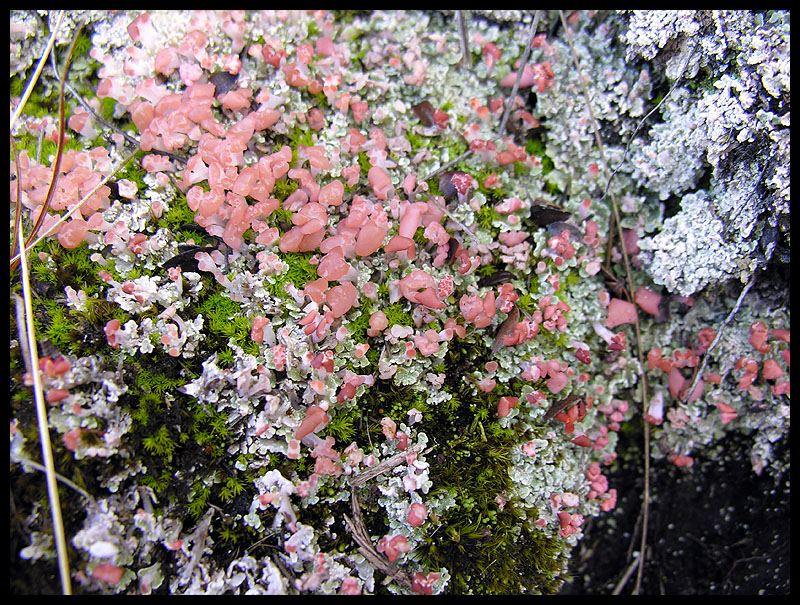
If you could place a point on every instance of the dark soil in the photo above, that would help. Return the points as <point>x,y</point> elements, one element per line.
<point>714,528</point>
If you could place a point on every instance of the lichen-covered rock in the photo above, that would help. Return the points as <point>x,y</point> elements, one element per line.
<point>338,332</point>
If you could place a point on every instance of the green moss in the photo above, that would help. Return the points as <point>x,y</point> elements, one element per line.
<point>299,271</point>
<point>156,384</point>
<point>238,328</point>
<point>250,347</point>
<point>357,327</point>
<point>148,403</point>
<point>363,162</point>
<point>486,216</point>
<point>30,143</point>
<point>283,188</point>
<point>418,142</point>
<point>487,550</point>
<point>495,193</point>
<point>16,86</point>
<point>218,310</point>
<point>107,107</point>
<point>41,271</point>
<point>227,535</point>
<point>419,237</point>
<point>160,443</point>
<point>158,484</point>
<point>300,135</point>
<point>536,147</point>
<point>178,213</point>
<point>571,279</point>
<point>59,328</point>
<point>233,487</point>
<point>83,43</point>
<point>225,358</point>
<point>133,171</point>
<point>342,426</point>
<point>455,147</point>
<point>198,501</point>
<point>396,314</point>
<point>39,106</point>
<point>486,270</point>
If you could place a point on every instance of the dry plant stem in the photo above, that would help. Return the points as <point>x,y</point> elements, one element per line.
<point>644,119</point>
<point>717,338</point>
<point>625,577</point>
<point>131,139</point>
<point>62,110</point>
<point>356,525</point>
<point>199,537</point>
<point>63,479</point>
<point>448,165</point>
<point>39,66</point>
<point>630,141</point>
<point>44,429</point>
<point>22,333</point>
<point>523,62</point>
<point>361,537</point>
<point>466,60</point>
<point>509,102</point>
<point>60,152</point>
<point>643,378</point>
<point>449,214</point>
<point>385,466</point>
<point>18,205</point>
<point>76,207</point>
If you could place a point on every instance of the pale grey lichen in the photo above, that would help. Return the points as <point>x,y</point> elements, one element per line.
<point>616,96</point>
<point>736,117</point>
<point>27,41</point>
<point>735,126</point>
<point>41,547</point>
<point>650,30</point>
<point>671,162</point>
<point>690,252</point>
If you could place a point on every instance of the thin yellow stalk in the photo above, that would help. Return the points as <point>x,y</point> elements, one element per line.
<point>18,205</point>
<point>61,141</point>
<point>44,429</point>
<point>39,66</point>
<point>77,206</point>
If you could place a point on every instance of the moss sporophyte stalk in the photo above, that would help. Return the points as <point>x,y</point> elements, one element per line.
<point>337,327</point>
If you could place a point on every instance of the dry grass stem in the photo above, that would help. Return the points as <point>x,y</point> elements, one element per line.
<point>44,430</point>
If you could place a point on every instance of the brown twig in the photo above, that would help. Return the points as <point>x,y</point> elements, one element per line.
<point>361,537</point>
<point>77,206</point>
<point>39,66</point>
<point>508,105</point>
<point>356,525</point>
<point>498,136</point>
<point>18,204</point>
<point>643,378</point>
<point>702,367</point>
<point>60,151</point>
<point>466,60</point>
<point>523,62</point>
